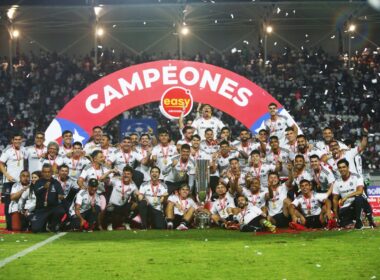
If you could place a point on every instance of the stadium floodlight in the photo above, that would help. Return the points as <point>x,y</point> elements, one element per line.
<point>97,10</point>
<point>15,33</point>
<point>352,28</point>
<point>185,30</point>
<point>11,12</point>
<point>269,29</point>
<point>99,32</point>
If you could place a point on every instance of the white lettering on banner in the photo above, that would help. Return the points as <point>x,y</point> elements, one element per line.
<point>374,191</point>
<point>188,76</point>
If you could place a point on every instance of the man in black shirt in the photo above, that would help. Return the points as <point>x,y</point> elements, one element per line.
<point>49,209</point>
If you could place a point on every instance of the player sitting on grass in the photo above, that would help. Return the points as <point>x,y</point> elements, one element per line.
<point>85,209</point>
<point>251,218</point>
<point>120,200</point>
<point>314,209</point>
<point>180,209</point>
<point>222,210</point>
<point>252,191</point>
<point>278,202</point>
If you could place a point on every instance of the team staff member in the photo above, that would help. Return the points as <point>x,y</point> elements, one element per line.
<point>11,165</point>
<point>86,207</point>
<point>151,197</point>
<point>49,194</point>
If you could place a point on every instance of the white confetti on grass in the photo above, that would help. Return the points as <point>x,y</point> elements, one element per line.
<point>318,265</point>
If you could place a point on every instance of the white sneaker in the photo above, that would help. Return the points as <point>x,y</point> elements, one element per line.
<point>109,227</point>
<point>170,225</point>
<point>182,227</point>
<point>127,226</point>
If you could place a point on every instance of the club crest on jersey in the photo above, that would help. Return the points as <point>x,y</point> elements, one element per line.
<point>176,100</point>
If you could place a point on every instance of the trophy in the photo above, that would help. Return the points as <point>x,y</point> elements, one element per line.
<point>202,179</point>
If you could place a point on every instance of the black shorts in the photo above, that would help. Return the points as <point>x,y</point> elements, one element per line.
<point>177,220</point>
<point>313,222</point>
<point>281,220</point>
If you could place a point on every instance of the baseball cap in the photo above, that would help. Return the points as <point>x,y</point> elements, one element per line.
<point>93,182</point>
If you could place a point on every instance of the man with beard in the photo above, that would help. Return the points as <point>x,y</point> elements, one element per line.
<point>251,218</point>
<point>222,208</point>
<point>120,204</point>
<point>323,178</point>
<point>151,197</point>
<point>246,146</point>
<point>278,156</point>
<point>52,157</point>
<point>300,171</point>
<point>350,155</point>
<point>303,148</point>
<point>207,121</point>
<point>180,170</point>
<point>187,133</point>
<point>145,150</point>
<point>314,209</point>
<point>209,145</point>
<point>324,145</point>
<point>252,191</point>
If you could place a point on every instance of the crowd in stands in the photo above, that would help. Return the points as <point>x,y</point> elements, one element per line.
<point>316,88</point>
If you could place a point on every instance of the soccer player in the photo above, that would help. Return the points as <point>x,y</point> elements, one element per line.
<point>303,148</point>
<point>323,178</point>
<point>86,207</point>
<point>234,177</point>
<point>27,201</point>
<point>223,156</point>
<point>123,189</point>
<point>68,184</point>
<point>222,208</point>
<point>11,165</point>
<point>277,124</point>
<point>251,218</point>
<point>324,145</point>
<point>107,149</point>
<point>163,151</point>
<point>49,194</point>
<point>277,200</point>
<point>76,162</point>
<point>245,146</point>
<point>209,145</point>
<point>18,221</point>
<point>260,170</point>
<point>94,145</point>
<point>207,121</point>
<point>151,197</point>
<point>252,191</point>
<point>291,140</point>
<point>277,155</point>
<point>145,149</point>
<point>52,157</point>
<point>180,170</point>
<point>348,198</point>
<point>314,208</point>
<point>300,171</point>
<point>35,152</point>
<point>187,133</point>
<point>180,209</point>
<point>66,149</point>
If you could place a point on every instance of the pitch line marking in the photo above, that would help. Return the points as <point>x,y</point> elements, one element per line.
<point>30,249</point>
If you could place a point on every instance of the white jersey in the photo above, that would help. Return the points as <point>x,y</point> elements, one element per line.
<point>144,169</point>
<point>13,206</point>
<point>34,155</point>
<point>220,206</point>
<point>257,200</point>
<point>63,151</point>
<point>76,166</point>
<point>323,178</point>
<point>303,175</point>
<point>350,156</point>
<point>91,172</point>
<point>163,155</point>
<point>224,162</point>
<point>122,159</point>
<point>282,156</point>
<point>121,193</point>
<point>180,170</point>
<point>55,163</point>
<point>201,124</point>
<point>90,147</point>
<point>344,187</point>
<point>14,161</point>
<point>276,203</point>
<point>209,148</point>
<point>247,214</point>
<point>153,193</point>
<point>86,201</point>
<point>241,180</point>
<point>184,141</point>
<point>181,206</point>
<point>310,206</point>
<point>27,201</point>
<point>277,127</point>
<point>67,185</point>
<point>247,149</point>
<point>108,153</point>
<point>325,148</point>
<point>261,172</point>
<point>292,148</point>
<point>306,155</point>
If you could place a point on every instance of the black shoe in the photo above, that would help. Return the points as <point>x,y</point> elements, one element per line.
<point>358,224</point>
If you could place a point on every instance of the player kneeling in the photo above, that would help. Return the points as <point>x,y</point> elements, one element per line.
<point>223,208</point>
<point>180,209</point>
<point>120,202</point>
<point>314,208</point>
<point>85,208</point>
<point>251,218</point>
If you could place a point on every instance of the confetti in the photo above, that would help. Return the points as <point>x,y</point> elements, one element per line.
<point>326,91</point>
<point>25,240</point>
<point>373,277</point>
<point>259,253</point>
<point>216,21</point>
<point>318,265</point>
<point>286,14</point>
<point>113,26</point>
<point>278,10</point>
<point>232,16</point>
<point>275,44</point>
<point>374,81</point>
<point>364,87</point>
<point>306,35</point>
<point>17,241</point>
<point>332,37</point>
<point>144,22</point>
<point>246,247</point>
<point>206,239</point>
<point>233,50</point>
<point>294,11</point>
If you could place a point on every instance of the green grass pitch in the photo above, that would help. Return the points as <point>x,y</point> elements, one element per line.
<point>195,254</point>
